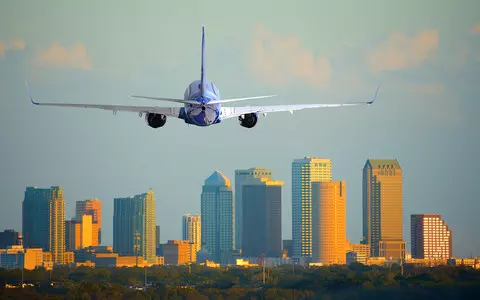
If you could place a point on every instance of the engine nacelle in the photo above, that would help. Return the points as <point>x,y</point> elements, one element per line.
<point>248,120</point>
<point>155,120</point>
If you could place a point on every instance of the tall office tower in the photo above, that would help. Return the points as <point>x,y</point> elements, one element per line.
<point>10,237</point>
<point>329,222</point>
<point>430,237</point>
<point>134,226</point>
<point>304,172</point>
<point>91,207</point>
<point>217,210</point>
<point>192,230</point>
<point>35,218</point>
<point>157,237</point>
<point>57,225</point>
<point>262,217</point>
<point>382,208</point>
<point>240,177</point>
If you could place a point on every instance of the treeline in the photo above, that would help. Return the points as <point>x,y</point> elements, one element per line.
<point>285,282</point>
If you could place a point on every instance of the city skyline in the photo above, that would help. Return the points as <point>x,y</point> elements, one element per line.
<point>406,233</point>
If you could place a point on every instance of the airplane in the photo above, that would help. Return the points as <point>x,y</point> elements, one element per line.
<point>202,105</point>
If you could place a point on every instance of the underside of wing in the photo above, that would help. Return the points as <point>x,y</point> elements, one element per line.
<point>232,112</point>
<point>167,111</point>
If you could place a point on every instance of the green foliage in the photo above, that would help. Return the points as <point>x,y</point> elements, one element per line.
<point>178,282</point>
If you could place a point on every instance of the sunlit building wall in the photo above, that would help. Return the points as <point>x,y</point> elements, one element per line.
<point>430,237</point>
<point>329,230</point>
<point>382,208</point>
<point>91,207</point>
<point>57,225</point>
<point>304,172</point>
<point>192,230</point>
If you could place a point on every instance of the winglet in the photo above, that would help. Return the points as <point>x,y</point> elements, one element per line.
<point>29,96</point>
<point>375,97</point>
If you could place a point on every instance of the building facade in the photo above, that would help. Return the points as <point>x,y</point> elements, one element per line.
<point>240,177</point>
<point>35,218</point>
<point>430,237</point>
<point>57,225</point>
<point>134,226</point>
<point>192,230</point>
<point>329,222</point>
<point>262,217</point>
<point>304,172</point>
<point>217,213</point>
<point>91,207</point>
<point>10,237</point>
<point>179,252</point>
<point>382,208</point>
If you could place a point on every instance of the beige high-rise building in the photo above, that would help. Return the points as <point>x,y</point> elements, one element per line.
<point>57,225</point>
<point>382,208</point>
<point>134,226</point>
<point>91,207</point>
<point>192,230</point>
<point>329,230</point>
<point>304,172</point>
<point>430,237</point>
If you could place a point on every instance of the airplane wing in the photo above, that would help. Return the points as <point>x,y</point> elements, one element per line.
<point>168,111</point>
<point>232,112</point>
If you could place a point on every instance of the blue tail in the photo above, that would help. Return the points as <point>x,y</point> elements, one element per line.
<point>203,80</point>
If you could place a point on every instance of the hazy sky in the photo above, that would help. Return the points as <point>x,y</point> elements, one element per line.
<point>425,54</point>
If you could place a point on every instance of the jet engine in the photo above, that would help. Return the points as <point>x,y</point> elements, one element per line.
<point>248,120</point>
<point>155,120</point>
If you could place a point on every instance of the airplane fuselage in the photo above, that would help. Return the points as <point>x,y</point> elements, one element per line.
<point>203,113</point>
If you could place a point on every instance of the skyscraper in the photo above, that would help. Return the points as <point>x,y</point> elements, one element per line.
<point>157,237</point>
<point>430,237</point>
<point>262,217</point>
<point>304,172</point>
<point>134,226</point>
<point>382,208</point>
<point>35,218</point>
<point>91,207</point>
<point>57,224</point>
<point>217,210</point>
<point>192,230</point>
<point>329,230</point>
<point>240,177</point>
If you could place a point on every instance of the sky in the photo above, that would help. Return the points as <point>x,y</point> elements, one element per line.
<point>425,55</point>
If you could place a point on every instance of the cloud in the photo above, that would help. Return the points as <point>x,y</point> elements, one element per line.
<point>400,51</point>
<point>475,28</point>
<point>280,60</point>
<point>15,44</point>
<point>3,49</point>
<point>58,56</point>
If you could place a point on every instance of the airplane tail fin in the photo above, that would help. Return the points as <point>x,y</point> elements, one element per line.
<point>203,75</point>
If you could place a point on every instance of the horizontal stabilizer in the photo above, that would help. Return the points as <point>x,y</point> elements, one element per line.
<point>169,99</point>
<point>240,99</point>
